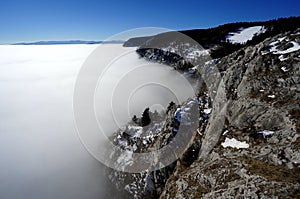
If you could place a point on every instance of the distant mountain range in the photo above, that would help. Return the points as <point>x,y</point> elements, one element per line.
<point>69,42</point>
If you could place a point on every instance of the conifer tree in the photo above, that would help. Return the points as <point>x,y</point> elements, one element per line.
<point>145,120</point>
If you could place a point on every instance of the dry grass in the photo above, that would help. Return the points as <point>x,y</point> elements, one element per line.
<point>272,172</point>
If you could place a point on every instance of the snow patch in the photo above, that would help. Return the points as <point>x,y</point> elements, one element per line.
<point>266,133</point>
<point>281,39</point>
<point>225,132</point>
<point>207,111</point>
<point>235,143</point>
<point>274,43</point>
<point>295,47</point>
<point>245,34</point>
<point>282,58</point>
<point>271,96</point>
<point>284,69</point>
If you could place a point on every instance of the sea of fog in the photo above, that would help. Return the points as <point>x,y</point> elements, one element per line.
<point>41,155</point>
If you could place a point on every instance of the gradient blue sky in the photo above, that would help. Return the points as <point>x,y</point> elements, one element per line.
<point>34,20</point>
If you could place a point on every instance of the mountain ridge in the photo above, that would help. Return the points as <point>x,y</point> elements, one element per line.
<point>215,38</point>
<point>68,42</point>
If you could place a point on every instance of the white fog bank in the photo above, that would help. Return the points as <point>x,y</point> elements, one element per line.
<point>41,154</point>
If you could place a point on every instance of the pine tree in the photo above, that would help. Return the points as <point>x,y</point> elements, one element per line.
<point>171,105</point>
<point>135,119</point>
<point>145,120</point>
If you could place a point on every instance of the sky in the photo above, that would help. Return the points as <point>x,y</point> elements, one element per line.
<point>36,20</point>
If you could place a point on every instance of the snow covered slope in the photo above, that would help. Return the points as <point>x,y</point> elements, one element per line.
<point>245,35</point>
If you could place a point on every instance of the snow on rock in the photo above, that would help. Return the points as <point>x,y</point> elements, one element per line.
<point>284,69</point>
<point>282,58</point>
<point>294,48</point>
<point>145,142</point>
<point>245,34</point>
<point>225,132</point>
<point>277,41</point>
<point>182,114</point>
<point>190,103</point>
<point>177,114</point>
<point>234,143</point>
<point>266,133</point>
<point>122,142</point>
<point>124,160</point>
<point>207,111</point>
<point>281,39</point>
<point>192,71</point>
<point>271,96</point>
<point>156,128</point>
<point>197,53</point>
<point>135,130</point>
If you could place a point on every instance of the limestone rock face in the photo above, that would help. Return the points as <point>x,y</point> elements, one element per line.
<point>261,97</point>
<point>246,143</point>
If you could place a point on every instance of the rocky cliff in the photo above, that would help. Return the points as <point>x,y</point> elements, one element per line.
<point>246,142</point>
<point>256,154</point>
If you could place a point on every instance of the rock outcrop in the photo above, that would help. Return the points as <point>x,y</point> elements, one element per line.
<point>246,143</point>
<point>262,88</point>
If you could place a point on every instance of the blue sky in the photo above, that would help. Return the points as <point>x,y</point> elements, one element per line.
<point>34,20</point>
